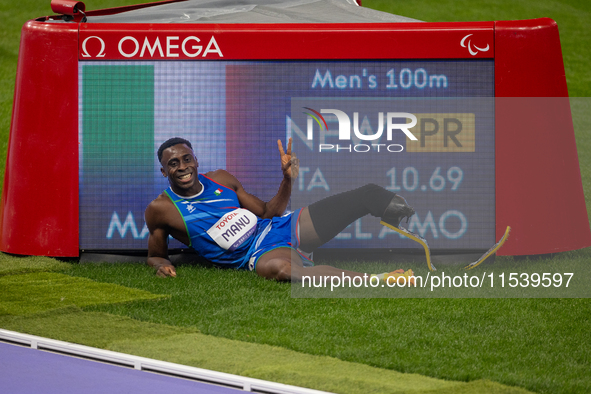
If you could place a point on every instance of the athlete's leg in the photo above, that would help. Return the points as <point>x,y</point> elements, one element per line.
<point>324,219</point>
<point>285,264</point>
<point>275,264</point>
<point>309,239</point>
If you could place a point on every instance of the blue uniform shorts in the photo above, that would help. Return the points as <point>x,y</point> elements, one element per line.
<point>280,232</point>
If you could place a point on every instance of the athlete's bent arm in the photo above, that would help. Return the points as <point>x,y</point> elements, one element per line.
<point>290,167</point>
<point>274,207</point>
<point>157,244</point>
<point>278,204</point>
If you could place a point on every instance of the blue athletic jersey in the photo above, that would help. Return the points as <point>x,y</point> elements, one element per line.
<point>219,229</point>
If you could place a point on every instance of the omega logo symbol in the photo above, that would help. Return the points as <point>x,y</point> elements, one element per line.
<point>469,46</point>
<point>85,51</point>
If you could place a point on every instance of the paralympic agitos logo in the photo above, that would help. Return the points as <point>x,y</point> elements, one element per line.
<point>390,121</point>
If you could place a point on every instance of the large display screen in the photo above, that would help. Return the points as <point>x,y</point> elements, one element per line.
<point>423,129</point>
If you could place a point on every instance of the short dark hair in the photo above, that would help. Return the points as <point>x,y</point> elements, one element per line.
<point>171,142</point>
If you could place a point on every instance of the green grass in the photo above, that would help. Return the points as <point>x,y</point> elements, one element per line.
<point>286,366</point>
<point>10,265</point>
<point>566,276</point>
<point>41,291</point>
<point>99,330</point>
<point>542,345</point>
<point>170,343</point>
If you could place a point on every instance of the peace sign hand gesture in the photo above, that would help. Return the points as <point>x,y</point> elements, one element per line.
<point>290,164</point>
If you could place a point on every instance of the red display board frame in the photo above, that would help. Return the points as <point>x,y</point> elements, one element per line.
<point>537,168</point>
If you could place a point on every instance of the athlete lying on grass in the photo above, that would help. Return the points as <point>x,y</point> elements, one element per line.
<point>214,215</point>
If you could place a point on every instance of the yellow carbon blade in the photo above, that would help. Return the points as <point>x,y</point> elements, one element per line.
<point>414,237</point>
<point>491,251</point>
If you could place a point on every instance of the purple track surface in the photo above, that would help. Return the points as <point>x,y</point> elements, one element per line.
<point>24,370</point>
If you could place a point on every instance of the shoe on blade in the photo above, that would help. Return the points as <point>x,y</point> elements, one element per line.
<point>397,210</point>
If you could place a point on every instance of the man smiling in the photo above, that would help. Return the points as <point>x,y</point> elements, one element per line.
<point>214,215</point>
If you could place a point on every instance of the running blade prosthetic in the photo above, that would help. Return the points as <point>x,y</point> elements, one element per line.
<point>491,251</point>
<point>414,237</point>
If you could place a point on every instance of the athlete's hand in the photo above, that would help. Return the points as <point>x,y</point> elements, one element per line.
<point>290,164</point>
<point>165,271</point>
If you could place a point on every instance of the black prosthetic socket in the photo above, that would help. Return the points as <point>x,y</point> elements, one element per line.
<point>331,215</point>
<point>396,211</point>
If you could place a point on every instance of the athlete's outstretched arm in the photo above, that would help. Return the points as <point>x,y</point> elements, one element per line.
<point>157,242</point>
